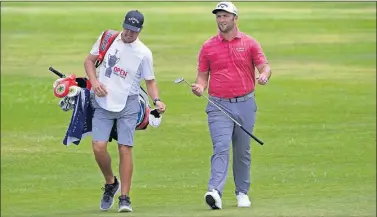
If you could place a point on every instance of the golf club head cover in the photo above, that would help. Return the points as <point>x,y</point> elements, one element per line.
<point>66,87</point>
<point>155,118</point>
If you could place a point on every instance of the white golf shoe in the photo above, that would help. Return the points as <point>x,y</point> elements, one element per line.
<point>213,199</point>
<point>243,200</point>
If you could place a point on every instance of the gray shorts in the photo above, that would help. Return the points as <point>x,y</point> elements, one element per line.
<point>103,121</point>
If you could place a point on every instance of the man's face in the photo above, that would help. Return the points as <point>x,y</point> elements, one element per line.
<point>225,21</point>
<point>129,36</point>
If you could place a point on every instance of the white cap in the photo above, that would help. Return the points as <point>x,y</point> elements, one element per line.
<point>225,6</point>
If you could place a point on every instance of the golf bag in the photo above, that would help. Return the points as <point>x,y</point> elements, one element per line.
<point>68,88</point>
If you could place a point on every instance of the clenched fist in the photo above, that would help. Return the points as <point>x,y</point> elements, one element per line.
<point>197,89</point>
<point>262,79</point>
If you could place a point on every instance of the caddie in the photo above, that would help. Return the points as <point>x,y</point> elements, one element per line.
<point>115,93</point>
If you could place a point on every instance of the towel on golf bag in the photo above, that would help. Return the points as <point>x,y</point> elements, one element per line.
<point>81,120</point>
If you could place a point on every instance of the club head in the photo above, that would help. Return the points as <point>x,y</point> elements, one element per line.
<point>178,80</point>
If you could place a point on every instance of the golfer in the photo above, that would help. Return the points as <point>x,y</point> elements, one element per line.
<point>227,62</point>
<point>116,91</point>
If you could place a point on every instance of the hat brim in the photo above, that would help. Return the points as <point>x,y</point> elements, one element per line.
<point>217,10</point>
<point>132,28</point>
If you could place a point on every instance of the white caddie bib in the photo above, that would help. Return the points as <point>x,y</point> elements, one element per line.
<point>117,73</point>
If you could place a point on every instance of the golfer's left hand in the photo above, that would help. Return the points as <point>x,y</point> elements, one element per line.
<point>263,79</point>
<point>160,106</point>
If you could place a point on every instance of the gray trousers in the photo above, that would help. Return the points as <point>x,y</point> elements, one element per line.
<point>223,132</point>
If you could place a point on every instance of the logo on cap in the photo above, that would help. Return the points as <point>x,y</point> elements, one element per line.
<point>133,20</point>
<point>222,5</point>
<point>225,6</point>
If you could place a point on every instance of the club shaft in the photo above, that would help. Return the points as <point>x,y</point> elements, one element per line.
<point>236,122</point>
<point>252,136</point>
<point>187,82</point>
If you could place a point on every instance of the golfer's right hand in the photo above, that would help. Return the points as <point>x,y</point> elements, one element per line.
<point>197,89</point>
<point>99,89</point>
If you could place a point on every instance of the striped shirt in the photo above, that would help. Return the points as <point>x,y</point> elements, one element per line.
<point>231,64</point>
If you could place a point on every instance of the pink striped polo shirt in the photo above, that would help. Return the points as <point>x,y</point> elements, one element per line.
<point>231,64</point>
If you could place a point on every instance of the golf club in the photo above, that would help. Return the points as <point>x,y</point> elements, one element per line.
<point>180,80</point>
<point>81,81</point>
<point>56,72</point>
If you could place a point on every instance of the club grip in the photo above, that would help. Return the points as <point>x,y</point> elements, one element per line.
<point>252,136</point>
<point>56,72</point>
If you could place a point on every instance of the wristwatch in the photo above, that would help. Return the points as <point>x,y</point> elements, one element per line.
<point>155,100</point>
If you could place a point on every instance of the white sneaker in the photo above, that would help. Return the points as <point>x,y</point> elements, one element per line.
<point>243,200</point>
<point>124,204</point>
<point>213,199</point>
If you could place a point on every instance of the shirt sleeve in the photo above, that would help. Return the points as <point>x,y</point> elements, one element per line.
<point>95,48</point>
<point>257,54</point>
<point>146,67</point>
<point>203,61</point>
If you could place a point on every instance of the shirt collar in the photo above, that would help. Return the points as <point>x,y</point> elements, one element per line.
<point>221,38</point>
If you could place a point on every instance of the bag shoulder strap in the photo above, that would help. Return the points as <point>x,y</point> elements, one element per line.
<point>107,39</point>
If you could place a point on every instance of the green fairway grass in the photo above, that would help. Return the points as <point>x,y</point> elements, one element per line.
<point>317,115</point>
